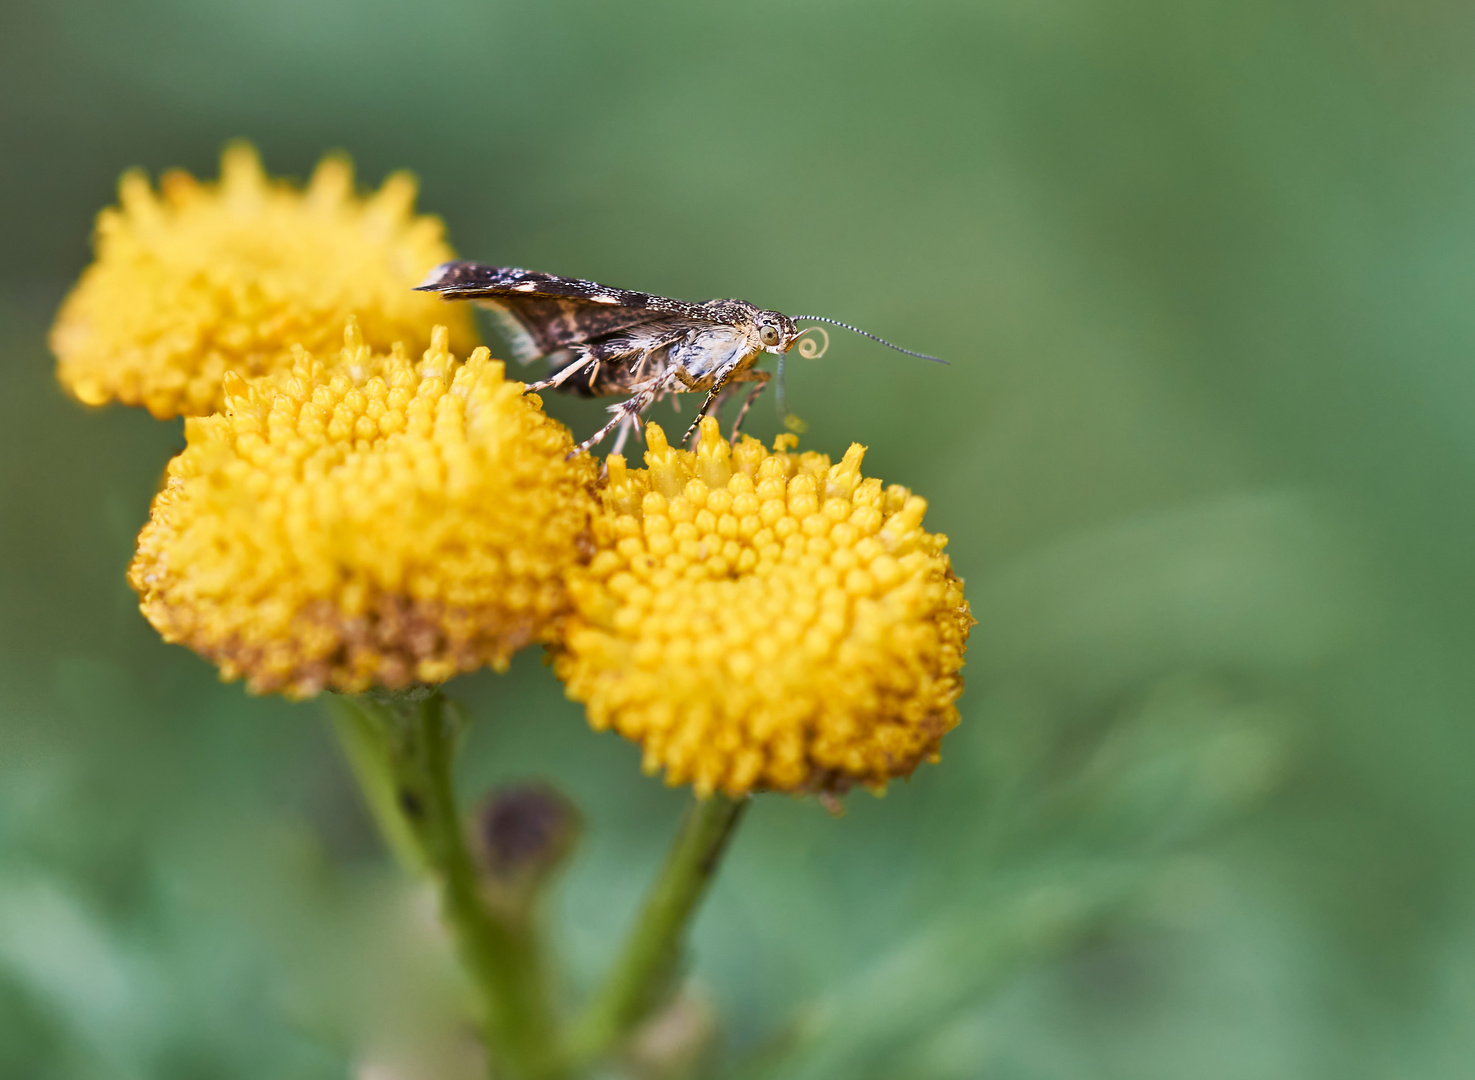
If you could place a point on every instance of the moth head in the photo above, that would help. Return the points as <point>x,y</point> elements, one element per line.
<point>776,331</point>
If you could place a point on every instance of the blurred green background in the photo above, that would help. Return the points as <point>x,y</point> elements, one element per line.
<point>1204,273</point>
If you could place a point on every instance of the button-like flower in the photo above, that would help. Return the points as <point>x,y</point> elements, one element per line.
<point>200,279</point>
<point>373,522</point>
<point>761,619</point>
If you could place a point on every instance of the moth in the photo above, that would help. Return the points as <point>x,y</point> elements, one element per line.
<point>601,341</point>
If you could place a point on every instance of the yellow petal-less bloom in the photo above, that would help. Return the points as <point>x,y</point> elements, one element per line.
<point>765,620</point>
<point>200,279</point>
<point>370,523</point>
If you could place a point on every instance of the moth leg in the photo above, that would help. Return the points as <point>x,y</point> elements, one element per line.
<point>647,356</point>
<point>751,375</point>
<point>713,395</point>
<point>627,425</point>
<point>598,437</point>
<point>627,411</point>
<point>562,375</point>
<point>685,378</point>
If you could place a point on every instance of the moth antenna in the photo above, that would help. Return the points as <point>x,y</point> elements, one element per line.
<point>867,333</point>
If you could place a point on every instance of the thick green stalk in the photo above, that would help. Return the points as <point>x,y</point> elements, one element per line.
<point>651,954</point>
<point>401,748</point>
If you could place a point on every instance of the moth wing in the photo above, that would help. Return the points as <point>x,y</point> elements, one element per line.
<point>530,328</point>
<point>543,313</point>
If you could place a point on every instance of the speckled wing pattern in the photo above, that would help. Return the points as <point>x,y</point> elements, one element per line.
<point>544,314</point>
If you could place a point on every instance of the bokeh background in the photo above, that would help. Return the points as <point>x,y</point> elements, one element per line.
<point>1204,272</point>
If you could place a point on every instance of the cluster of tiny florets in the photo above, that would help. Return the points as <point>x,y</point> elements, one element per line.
<point>760,619</point>
<point>199,279</point>
<point>754,619</point>
<point>375,522</point>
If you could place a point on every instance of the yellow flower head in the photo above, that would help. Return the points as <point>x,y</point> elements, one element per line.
<point>201,279</point>
<point>761,619</point>
<point>374,522</point>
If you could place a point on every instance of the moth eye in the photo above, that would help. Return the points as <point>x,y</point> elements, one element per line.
<point>768,334</point>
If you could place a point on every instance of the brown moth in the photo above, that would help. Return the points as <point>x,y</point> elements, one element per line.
<point>601,341</point>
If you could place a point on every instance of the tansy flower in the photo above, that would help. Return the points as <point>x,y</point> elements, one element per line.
<point>201,279</point>
<point>765,620</point>
<point>373,522</point>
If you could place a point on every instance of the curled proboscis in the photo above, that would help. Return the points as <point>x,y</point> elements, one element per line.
<point>808,347</point>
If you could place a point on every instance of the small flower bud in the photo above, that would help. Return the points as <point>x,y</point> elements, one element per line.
<point>523,833</point>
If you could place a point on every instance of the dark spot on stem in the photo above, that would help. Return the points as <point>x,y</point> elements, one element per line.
<point>713,855</point>
<point>410,804</point>
<point>709,861</point>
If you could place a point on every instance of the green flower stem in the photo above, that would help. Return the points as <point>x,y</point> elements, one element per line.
<point>401,748</point>
<point>651,955</point>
